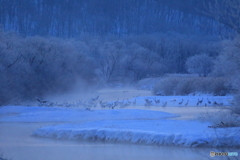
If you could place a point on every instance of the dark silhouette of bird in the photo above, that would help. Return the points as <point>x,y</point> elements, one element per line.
<point>134,102</point>
<point>115,104</point>
<point>40,101</point>
<point>180,102</point>
<point>209,102</point>
<point>157,101</point>
<point>102,104</point>
<point>164,104</point>
<point>200,101</point>
<point>148,102</point>
<point>96,98</point>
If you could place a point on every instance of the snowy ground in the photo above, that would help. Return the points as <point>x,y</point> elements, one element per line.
<point>129,125</point>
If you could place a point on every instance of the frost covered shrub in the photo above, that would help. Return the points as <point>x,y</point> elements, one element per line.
<point>185,86</point>
<point>147,83</point>
<point>219,86</point>
<point>220,118</point>
<point>166,86</point>
<point>212,85</point>
<point>201,84</point>
<point>235,108</point>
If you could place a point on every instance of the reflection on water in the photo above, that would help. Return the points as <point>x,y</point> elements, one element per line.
<point>17,144</point>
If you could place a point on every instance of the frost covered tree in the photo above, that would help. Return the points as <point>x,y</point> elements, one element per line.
<point>199,64</point>
<point>227,63</point>
<point>230,62</point>
<point>37,66</point>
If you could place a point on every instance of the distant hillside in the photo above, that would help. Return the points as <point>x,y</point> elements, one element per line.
<point>64,18</point>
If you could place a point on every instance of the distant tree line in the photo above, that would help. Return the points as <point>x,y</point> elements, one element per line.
<point>36,66</point>
<point>74,18</point>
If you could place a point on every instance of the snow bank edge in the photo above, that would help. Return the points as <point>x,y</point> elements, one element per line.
<point>140,137</point>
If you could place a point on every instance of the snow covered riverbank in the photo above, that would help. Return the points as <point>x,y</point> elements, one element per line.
<point>159,132</point>
<point>17,144</point>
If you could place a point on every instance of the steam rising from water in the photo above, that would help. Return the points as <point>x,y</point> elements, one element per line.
<point>107,94</point>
